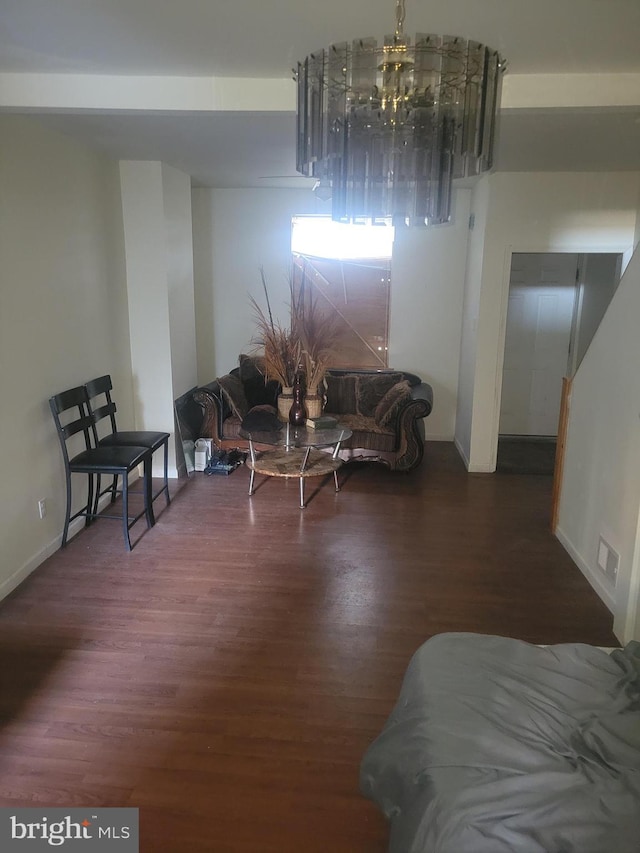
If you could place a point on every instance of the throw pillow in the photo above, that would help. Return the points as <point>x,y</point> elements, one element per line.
<point>341,394</point>
<point>251,367</point>
<point>262,419</point>
<point>257,389</point>
<point>391,403</point>
<point>371,388</point>
<point>234,394</point>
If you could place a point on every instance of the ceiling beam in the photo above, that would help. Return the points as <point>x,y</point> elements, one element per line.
<point>536,91</point>
<point>145,93</point>
<point>149,94</point>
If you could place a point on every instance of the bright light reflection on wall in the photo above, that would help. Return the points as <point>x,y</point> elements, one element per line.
<point>321,237</point>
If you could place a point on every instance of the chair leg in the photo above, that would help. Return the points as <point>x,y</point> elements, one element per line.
<point>113,488</point>
<point>94,508</point>
<point>125,509</point>
<point>88,516</point>
<point>166,471</point>
<point>67,514</point>
<point>147,489</point>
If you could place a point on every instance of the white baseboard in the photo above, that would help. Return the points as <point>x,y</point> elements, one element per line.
<point>594,578</point>
<point>462,453</point>
<point>7,586</point>
<point>475,468</point>
<point>481,469</point>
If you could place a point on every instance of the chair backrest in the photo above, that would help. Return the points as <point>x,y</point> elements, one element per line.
<point>74,398</point>
<point>94,388</point>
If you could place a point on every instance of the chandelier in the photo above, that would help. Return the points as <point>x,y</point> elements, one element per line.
<point>385,130</point>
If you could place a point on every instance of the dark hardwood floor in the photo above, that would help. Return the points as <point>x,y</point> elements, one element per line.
<point>226,676</point>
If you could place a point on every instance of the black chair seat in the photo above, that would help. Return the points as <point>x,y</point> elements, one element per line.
<point>143,438</point>
<point>108,460</point>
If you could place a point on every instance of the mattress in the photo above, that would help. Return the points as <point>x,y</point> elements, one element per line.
<point>496,746</point>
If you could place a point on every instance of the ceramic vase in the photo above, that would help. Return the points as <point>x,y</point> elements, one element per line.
<point>285,400</point>
<point>297,412</point>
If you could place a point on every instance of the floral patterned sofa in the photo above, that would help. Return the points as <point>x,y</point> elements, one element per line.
<point>384,409</point>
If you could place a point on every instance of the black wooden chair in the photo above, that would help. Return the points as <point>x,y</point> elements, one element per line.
<point>118,438</point>
<point>95,460</point>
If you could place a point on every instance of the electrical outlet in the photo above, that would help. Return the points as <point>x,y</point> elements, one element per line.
<point>42,508</point>
<point>603,551</point>
<point>608,559</point>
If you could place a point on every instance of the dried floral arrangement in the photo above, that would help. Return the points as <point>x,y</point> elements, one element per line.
<point>281,346</point>
<point>319,334</point>
<point>306,348</point>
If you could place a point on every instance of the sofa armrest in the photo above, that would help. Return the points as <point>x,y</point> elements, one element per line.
<point>423,392</point>
<point>214,410</point>
<point>409,425</point>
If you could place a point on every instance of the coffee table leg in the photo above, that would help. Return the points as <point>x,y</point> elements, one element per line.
<point>336,450</point>
<point>302,467</point>
<point>253,461</point>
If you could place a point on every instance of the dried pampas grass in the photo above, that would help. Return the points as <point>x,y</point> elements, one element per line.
<point>319,334</point>
<point>281,346</point>
<point>308,347</point>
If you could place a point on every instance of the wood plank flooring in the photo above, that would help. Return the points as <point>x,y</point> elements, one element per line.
<point>226,676</point>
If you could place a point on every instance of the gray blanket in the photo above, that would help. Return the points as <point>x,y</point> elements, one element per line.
<point>498,746</point>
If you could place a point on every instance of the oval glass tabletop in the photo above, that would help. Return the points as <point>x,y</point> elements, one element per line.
<point>290,436</point>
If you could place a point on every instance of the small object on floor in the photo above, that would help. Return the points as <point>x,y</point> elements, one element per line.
<point>323,422</point>
<point>224,462</point>
<point>202,451</point>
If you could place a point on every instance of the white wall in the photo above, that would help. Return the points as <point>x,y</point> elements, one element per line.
<point>201,216</point>
<point>469,328</point>
<point>599,277</point>
<point>601,485</point>
<point>63,320</point>
<point>537,212</point>
<point>427,288</point>
<point>238,231</point>
<point>156,204</point>
<point>176,191</point>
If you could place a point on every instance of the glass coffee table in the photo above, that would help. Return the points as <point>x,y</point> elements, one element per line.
<point>296,453</point>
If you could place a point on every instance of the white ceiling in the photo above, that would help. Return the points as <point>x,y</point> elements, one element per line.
<point>256,38</point>
<point>265,38</point>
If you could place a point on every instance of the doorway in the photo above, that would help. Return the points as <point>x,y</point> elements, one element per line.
<point>556,303</point>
